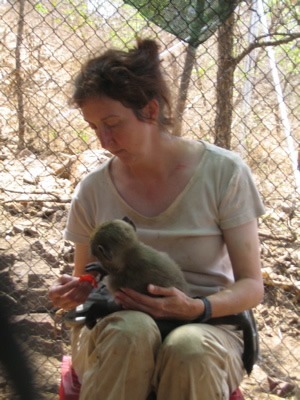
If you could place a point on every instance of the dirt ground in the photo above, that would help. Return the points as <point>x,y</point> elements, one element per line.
<point>35,198</point>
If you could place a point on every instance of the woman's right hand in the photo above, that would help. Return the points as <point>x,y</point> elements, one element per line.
<point>68,292</point>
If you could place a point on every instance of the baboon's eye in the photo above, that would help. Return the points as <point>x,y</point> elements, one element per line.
<point>106,253</point>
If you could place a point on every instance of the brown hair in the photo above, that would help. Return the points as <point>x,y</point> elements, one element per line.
<point>132,77</point>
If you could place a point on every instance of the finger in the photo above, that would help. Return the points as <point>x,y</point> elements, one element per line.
<point>132,300</point>
<point>126,294</point>
<point>65,303</point>
<point>82,291</point>
<point>129,298</point>
<point>129,304</point>
<point>72,299</point>
<point>71,296</point>
<point>161,291</point>
<point>65,278</point>
<point>65,286</point>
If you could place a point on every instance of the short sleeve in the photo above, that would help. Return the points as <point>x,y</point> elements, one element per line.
<point>240,202</point>
<point>79,223</point>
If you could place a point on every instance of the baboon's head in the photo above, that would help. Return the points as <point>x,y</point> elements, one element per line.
<point>110,240</point>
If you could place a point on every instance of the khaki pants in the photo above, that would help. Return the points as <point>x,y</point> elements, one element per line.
<point>122,358</point>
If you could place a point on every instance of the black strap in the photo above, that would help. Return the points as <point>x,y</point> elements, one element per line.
<point>100,304</point>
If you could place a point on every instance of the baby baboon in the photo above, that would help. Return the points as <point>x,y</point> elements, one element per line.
<point>130,263</point>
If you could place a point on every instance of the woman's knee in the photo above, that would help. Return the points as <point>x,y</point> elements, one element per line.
<point>130,326</point>
<point>201,356</point>
<point>193,346</point>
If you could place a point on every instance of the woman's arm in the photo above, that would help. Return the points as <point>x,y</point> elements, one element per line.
<point>244,252</point>
<point>82,257</point>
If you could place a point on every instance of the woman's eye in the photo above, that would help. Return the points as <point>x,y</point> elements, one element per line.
<point>105,125</point>
<point>112,124</point>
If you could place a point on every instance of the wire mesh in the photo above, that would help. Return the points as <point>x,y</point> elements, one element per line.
<point>46,148</point>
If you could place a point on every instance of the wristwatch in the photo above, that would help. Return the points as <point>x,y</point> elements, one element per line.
<point>207,313</point>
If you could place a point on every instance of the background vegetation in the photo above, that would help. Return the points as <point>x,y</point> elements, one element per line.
<point>238,89</point>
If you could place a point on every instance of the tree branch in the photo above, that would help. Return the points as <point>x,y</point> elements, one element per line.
<point>27,196</point>
<point>258,44</point>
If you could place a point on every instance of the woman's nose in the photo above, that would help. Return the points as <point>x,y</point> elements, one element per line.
<point>105,137</point>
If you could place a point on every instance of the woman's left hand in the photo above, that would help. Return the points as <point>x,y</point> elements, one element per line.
<point>170,303</point>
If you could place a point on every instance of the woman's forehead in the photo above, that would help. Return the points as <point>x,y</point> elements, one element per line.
<point>103,108</point>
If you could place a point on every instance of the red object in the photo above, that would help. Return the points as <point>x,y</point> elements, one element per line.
<point>88,278</point>
<point>237,395</point>
<point>70,386</point>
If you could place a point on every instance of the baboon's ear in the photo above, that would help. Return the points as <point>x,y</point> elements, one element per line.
<point>128,220</point>
<point>106,253</point>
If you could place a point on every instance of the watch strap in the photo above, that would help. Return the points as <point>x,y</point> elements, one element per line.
<point>207,313</point>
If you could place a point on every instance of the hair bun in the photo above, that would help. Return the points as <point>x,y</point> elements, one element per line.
<point>132,77</point>
<point>149,47</point>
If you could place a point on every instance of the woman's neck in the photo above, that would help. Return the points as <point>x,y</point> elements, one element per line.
<point>159,163</point>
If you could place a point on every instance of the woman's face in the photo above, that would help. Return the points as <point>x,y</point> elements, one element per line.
<point>117,127</point>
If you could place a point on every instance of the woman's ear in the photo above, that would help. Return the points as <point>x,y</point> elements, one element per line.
<point>151,110</point>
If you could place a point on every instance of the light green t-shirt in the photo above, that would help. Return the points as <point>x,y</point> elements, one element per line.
<point>220,195</point>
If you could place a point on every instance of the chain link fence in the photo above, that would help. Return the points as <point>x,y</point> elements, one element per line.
<point>240,90</point>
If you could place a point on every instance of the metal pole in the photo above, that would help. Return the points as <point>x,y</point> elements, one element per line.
<point>282,107</point>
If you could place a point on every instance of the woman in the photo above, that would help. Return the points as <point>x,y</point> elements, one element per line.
<point>191,199</point>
